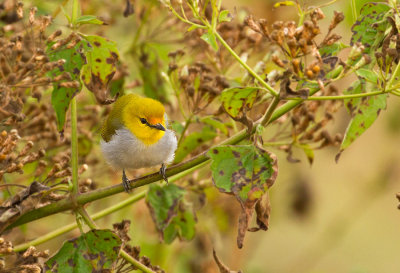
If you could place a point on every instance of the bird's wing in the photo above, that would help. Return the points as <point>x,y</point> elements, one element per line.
<point>114,119</point>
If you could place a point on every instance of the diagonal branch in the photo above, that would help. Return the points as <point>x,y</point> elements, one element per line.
<point>84,198</point>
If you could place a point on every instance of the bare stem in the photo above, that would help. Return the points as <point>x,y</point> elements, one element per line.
<point>248,68</point>
<point>74,148</point>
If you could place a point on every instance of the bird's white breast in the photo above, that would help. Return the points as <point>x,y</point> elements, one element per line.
<point>125,151</point>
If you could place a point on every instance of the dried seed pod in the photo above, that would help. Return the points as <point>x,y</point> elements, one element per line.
<point>32,13</point>
<point>331,39</point>
<point>74,42</point>
<point>26,149</point>
<point>83,168</point>
<point>317,14</point>
<point>249,21</point>
<point>337,18</point>
<point>73,84</point>
<point>54,35</point>
<point>277,25</point>
<point>264,27</point>
<point>20,9</point>
<point>44,23</point>
<point>278,61</point>
<point>296,65</point>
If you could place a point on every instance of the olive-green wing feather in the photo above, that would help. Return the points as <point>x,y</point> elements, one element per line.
<point>114,120</point>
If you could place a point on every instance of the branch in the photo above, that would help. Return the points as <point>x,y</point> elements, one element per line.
<point>341,97</point>
<point>130,200</point>
<point>65,204</point>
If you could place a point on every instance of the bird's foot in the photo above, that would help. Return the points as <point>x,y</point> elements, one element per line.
<point>162,172</point>
<point>125,182</point>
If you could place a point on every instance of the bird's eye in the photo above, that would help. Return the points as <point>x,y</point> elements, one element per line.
<point>143,120</point>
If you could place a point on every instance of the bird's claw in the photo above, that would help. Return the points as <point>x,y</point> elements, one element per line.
<point>125,182</point>
<point>162,172</point>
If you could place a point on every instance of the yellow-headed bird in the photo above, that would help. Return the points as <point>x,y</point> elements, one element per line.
<point>135,135</point>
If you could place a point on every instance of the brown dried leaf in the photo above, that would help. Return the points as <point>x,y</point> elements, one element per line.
<point>32,197</point>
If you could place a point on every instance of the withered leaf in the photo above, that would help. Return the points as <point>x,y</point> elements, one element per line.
<point>171,216</point>
<point>32,197</point>
<point>247,172</point>
<point>94,251</point>
<point>287,92</point>
<point>62,96</point>
<point>129,8</point>
<point>237,99</point>
<point>364,111</point>
<point>101,60</point>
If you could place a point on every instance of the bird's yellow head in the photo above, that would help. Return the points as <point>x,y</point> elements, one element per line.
<point>144,117</point>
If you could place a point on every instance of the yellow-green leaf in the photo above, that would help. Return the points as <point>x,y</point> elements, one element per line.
<point>247,172</point>
<point>62,96</point>
<point>209,37</point>
<point>89,19</point>
<point>224,16</point>
<point>94,251</point>
<point>170,215</point>
<point>102,57</point>
<point>236,99</point>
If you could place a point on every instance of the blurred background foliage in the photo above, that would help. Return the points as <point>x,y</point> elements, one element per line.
<point>326,217</point>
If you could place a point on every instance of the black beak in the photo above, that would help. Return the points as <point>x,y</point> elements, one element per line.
<point>158,126</point>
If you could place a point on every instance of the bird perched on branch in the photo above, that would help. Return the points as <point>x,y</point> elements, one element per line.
<point>135,135</point>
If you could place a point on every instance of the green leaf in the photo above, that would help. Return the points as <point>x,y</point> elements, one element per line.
<point>236,98</point>
<point>284,3</point>
<point>370,26</point>
<point>62,96</point>
<point>368,75</point>
<point>224,16</point>
<point>247,172</point>
<point>150,71</point>
<point>209,37</point>
<point>331,50</point>
<point>102,57</point>
<point>217,124</point>
<point>192,141</point>
<point>171,216</point>
<point>89,19</point>
<point>356,88</point>
<point>244,170</point>
<point>94,251</point>
<point>364,112</point>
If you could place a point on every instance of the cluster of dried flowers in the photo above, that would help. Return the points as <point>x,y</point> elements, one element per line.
<point>122,230</point>
<point>199,82</point>
<point>29,261</point>
<point>28,118</point>
<point>300,66</point>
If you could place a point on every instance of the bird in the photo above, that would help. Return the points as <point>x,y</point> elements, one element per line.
<point>135,135</point>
